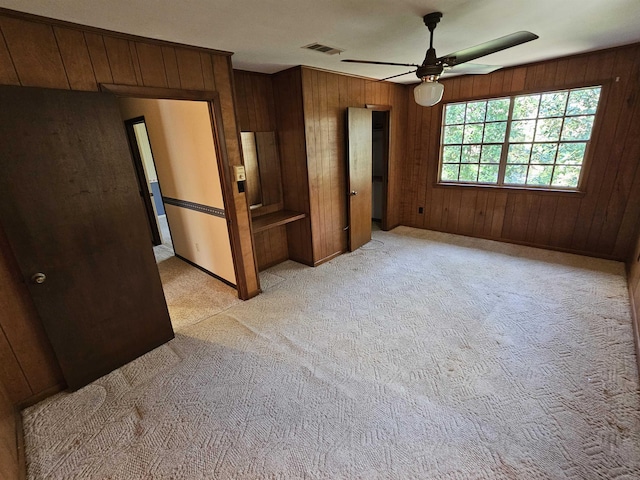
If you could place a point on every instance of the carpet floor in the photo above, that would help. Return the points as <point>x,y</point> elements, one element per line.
<point>421,355</point>
<point>191,294</point>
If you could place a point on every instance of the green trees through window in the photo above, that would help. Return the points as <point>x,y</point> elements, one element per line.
<point>536,140</point>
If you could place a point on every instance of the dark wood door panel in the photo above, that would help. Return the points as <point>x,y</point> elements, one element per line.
<point>70,207</point>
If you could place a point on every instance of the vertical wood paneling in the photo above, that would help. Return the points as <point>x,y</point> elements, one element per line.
<point>244,256</point>
<point>35,53</point>
<point>120,60</point>
<point>99,59</point>
<point>10,467</point>
<point>600,221</point>
<point>255,101</point>
<point>190,69</point>
<point>75,57</point>
<point>256,113</point>
<point>271,247</point>
<point>293,157</point>
<point>152,66</point>
<point>633,279</point>
<point>207,71</point>
<point>8,75</point>
<point>545,219</point>
<point>136,62</point>
<point>325,99</point>
<point>12,375</point>
<point>27,363</point>
<point>171,67</point>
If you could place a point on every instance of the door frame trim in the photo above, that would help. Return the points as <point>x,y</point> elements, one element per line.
<point>143,181</point>
<point>385,162</point>
<point>224,169</point>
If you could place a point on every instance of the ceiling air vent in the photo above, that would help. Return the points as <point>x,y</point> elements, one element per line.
<point>323,49</point>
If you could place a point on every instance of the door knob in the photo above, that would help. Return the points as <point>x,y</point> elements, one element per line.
<point>38,278</point>
<point>353,193</point>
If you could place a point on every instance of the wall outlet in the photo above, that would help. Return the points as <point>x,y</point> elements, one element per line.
<point>197,247</point>
<point>420,209</point>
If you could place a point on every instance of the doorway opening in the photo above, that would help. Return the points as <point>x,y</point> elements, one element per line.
<point>379,168</point>
<point>149,186</point>
<point>175,158</point>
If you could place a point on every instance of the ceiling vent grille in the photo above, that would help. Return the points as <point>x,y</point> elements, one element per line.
<point>323,49</point>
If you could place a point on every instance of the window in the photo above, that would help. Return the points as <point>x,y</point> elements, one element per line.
<point>536,140</point>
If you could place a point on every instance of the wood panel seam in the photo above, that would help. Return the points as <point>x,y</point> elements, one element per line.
<point>164,68</point>
<point>13,63</point>
<point>64,67</point>
<point>15,356</point>
<point>93,67</point>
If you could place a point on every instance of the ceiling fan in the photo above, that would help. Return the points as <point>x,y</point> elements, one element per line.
<point>429,92</point>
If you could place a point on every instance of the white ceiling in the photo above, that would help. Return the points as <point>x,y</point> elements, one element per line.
<point>266,35</point>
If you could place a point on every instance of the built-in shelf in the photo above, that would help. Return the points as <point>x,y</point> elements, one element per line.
<point>270,220</point>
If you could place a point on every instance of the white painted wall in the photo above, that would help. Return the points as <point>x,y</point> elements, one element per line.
<point>183,149</point>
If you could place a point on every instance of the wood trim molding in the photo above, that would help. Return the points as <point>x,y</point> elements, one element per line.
<point>378,108</point>
<point>20,445</point>
<point>330,257</point>
<point>512,189</point>
<point>224,168</point>
<point>102,31</point>
<point>159,93</point>
<point>37,398</point>
<point>208,272</point>
<point>524,243</point>
<point>635,320</point>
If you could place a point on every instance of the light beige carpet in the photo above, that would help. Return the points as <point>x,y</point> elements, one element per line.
<point>191,294</point>
<point>421,355</point>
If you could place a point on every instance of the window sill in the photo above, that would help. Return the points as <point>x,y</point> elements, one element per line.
<point>512,188</point>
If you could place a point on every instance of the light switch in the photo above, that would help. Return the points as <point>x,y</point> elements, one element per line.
<point>239,172</point>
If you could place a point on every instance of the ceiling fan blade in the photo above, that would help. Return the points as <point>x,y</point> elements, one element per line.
<point>382,63</point>
<point>398,75</point>
<point>471,69</point>
<point>487,48</point>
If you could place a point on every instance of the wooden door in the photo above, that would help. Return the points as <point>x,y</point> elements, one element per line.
<point>360,141</point>
<point>71,210</point>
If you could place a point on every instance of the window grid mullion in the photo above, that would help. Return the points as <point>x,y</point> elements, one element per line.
<point>505,145</point>
<point>555,159</point>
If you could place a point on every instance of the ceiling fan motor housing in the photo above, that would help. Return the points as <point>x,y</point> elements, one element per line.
<point>432,19</point>
<point>430,67</point>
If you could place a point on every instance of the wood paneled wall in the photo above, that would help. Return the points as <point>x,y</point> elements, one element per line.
<point>326,97</point>
<point>255,103</point>
<point>287,89</point>
<point>633,278</point>
<point>39,52</point>
<point>310,108</point>
<point>11,461</point>
<point>600,222</point>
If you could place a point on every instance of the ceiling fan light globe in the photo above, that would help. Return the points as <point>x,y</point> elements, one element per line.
<point>428,93</point>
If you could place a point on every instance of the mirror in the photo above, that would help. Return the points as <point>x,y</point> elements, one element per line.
<point>262,166</point>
